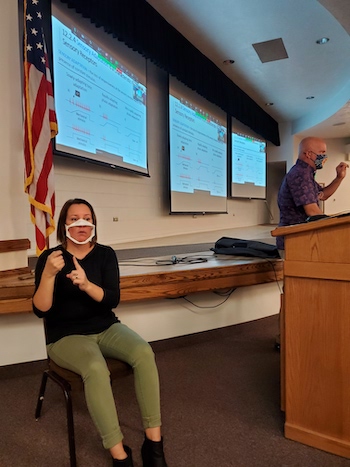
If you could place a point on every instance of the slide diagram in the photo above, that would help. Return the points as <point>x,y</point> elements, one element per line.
<point>198,151</point>
<point>101,108</point>
<point>248,160</point>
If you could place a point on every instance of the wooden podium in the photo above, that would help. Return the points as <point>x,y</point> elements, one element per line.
<point>316,344</point>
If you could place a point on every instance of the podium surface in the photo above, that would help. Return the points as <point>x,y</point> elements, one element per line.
<point>316,347</point>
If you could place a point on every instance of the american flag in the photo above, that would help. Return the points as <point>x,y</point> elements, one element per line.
<point>40,125</point>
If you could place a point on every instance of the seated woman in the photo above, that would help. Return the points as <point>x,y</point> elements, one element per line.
<point>76,289</point>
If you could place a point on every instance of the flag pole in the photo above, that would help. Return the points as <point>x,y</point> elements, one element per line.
<point>40,125</point>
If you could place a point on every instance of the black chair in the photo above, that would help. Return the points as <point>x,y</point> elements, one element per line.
<point>68,382</point>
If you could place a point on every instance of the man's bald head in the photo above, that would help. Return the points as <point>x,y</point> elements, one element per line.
<point>309,148</point>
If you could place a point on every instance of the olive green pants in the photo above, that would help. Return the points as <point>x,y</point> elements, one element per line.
<point>84,354</point>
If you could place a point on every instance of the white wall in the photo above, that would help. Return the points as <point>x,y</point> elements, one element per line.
<point>207,311</point>
<point>288,152</point>
<point>13,203</point>
<point>340,201</point>
<point>140,203</point>
<point>22,337</point>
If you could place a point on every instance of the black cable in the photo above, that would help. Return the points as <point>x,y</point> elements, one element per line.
<point>224,294</point>
<point>275,273</point>
<point>184,260</point>
<point>212,306</point>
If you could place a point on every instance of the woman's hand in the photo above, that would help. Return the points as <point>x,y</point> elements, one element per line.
<point>43,297</point>
<point>78,276</point>
<point>54,264</point>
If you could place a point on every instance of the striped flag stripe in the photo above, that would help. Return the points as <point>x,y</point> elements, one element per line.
<point>40,125</point>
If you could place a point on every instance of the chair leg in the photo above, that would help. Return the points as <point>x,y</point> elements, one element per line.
<point>70,427</point>
<point>41,395</point>
<point>65,386</point>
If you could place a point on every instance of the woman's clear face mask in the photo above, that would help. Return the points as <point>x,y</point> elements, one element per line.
<point>80,223</point>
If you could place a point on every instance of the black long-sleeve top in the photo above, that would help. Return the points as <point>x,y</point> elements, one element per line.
<point>74,311</point>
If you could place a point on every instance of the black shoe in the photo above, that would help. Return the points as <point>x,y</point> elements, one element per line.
<point>125,462</point>
<point>153,454</point>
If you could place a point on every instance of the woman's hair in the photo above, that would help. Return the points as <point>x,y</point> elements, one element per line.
<point>61,229</point>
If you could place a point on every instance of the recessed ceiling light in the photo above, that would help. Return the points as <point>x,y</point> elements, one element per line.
<point>322,41</point>
<point>310,97</point>
<point>228,62</point>
<point>269,103</point>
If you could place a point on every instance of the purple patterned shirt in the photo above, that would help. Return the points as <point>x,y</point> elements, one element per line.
<point>297,189</point>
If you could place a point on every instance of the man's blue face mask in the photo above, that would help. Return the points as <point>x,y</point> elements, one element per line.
<point>320,161</point>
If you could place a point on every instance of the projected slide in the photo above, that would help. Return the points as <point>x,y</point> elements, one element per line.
<point>198,144</point>
<point>100,104</point>
<point>248,166</point>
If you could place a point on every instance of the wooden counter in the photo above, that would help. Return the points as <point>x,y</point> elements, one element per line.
<point>143,280</point>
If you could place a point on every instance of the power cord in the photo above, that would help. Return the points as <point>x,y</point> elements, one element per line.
<point>184,260</point>
<point>165,262</point>
<point>227,295</point>
<point>275,273</point>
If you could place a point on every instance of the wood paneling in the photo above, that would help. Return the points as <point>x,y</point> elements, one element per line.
<point>317,334</point>
<point>14,245</point>
<point>138,283</point>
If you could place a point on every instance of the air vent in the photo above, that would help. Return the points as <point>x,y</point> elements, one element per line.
<point>270,51</point>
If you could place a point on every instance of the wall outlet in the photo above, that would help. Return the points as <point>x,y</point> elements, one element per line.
<point>115,219</point>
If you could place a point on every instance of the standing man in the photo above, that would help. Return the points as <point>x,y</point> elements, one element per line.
<point>299,194</point>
